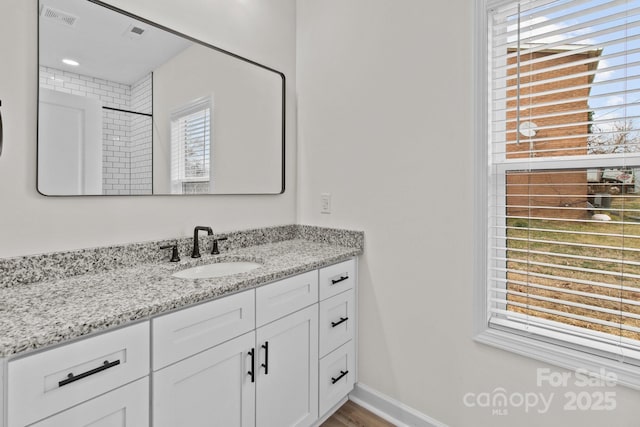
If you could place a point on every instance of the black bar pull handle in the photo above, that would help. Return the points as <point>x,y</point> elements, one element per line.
<point>1,130</point>
<point>71,378</point>
<point>342,320</point>
<point>342,374</point>
<point>251,373</point>
<point>265,365</point>
<point>341,279</point>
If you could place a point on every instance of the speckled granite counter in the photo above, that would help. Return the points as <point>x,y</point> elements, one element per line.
<point>38,314</point>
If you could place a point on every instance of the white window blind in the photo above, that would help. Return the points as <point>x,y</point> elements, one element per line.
<point>564,171</point>
<point>191,147</point>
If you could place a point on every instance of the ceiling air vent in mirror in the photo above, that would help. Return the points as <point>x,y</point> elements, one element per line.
<point>134,32</point>
<point>55,15</point>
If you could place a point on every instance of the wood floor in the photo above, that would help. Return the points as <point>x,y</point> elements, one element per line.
<point>352,415</point>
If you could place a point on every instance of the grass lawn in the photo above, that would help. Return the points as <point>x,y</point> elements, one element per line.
<point>575,267</point>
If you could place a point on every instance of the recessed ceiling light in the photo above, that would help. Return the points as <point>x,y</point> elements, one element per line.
<point>71,62</point>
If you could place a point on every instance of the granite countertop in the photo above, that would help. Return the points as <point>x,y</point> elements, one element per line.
<point>39,314</point>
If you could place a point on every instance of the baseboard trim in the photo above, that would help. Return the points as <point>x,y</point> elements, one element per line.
<point>390,409</point>
<point>332,411</point>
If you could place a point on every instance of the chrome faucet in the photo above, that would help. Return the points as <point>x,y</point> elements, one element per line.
<point>196,247</point>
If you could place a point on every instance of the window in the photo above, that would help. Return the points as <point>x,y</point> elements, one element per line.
<point>559,190</point>
<point>191,148</point>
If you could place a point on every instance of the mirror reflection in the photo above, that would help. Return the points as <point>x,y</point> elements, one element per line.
<point>129,108</point>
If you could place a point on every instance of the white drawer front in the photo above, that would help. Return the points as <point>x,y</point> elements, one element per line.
<point>337,376</point>
<point>337,278</point>
<point>183,333</point>
<point>127,406</point>
<point>36,384</point>
<point>280,298</point>
<point>337,321</point>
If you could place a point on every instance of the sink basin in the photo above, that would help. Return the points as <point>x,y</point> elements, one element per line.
<point>218,269</point>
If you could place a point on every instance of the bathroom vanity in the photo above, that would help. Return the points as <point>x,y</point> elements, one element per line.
<point>123,336</point>
<point>274,346</point>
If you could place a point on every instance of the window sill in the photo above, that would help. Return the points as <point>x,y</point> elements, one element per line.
<point>563,357</point>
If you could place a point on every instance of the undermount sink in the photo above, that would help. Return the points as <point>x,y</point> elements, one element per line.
<point>218,269</point>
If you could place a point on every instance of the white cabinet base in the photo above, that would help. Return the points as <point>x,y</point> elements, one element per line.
<point>281,355</point>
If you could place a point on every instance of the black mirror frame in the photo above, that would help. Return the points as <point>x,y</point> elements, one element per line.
<point>194,40</point>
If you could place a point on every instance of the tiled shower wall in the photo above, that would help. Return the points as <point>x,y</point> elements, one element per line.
<point>116,165</point>
<point>141,138</point>
<point>124,138</point>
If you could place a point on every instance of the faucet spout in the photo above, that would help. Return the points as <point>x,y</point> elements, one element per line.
<point>196,246</point>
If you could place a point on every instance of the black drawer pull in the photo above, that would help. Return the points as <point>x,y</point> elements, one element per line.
<point>252,353</point>
<point>342,320</point>
<point>341,279</point>
<point>265,365</point>
<point>342,374</point>
<point>71,378</point>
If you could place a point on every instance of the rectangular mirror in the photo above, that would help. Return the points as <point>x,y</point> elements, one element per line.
<point>128,107</point>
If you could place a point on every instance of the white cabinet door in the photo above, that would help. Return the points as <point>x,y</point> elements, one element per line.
<point>212,388</point>
<point>287,380</point>
<point>126,406</point>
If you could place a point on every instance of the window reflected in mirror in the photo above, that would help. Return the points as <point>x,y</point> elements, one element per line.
<point>191,148</point>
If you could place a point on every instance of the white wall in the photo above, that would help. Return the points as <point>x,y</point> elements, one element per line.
<point>385,106</point>
<point>31,223</point>
<point>244,158</point>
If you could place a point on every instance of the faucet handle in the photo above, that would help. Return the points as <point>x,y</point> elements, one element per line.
<point>215,250</point>
<point>175,257</point>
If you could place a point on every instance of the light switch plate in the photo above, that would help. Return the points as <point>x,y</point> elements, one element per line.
<point>325,203</point>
